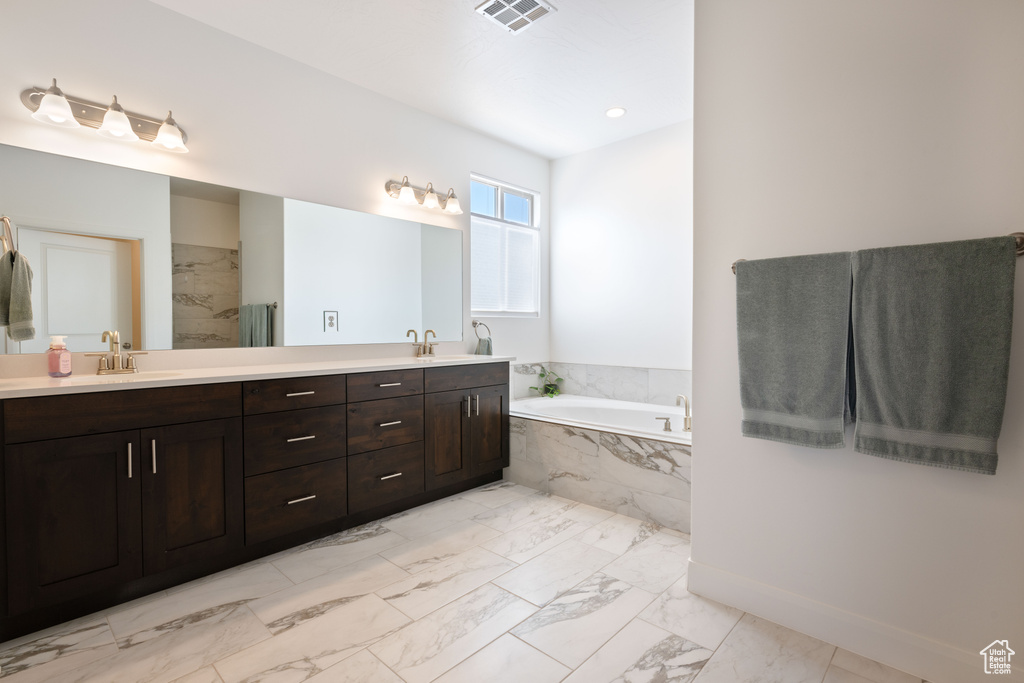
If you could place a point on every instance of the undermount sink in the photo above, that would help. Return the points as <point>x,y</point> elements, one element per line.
<point>117,379</point>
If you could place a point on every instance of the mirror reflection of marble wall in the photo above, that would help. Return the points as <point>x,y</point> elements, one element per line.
<point>229,248</point>
<point>205,295</point>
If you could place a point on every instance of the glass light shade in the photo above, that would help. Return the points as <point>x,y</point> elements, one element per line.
<point>169,137</point>
<point>406,195</point>
<point>54,109</point>
<point>116,125</point>
<point>451,203</point>
<point>430,200</point>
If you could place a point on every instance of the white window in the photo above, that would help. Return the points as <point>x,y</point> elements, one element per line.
<point>505,249</point>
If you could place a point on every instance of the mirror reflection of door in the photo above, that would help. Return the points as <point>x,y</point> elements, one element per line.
<point>82,285</point>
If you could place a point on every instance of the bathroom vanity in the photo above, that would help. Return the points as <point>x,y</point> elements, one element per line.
<point>116,490</point>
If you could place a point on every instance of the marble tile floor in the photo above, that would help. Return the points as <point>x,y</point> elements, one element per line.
<point>501,583</point>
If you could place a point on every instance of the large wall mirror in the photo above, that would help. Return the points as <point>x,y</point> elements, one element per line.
<point>175,264</point>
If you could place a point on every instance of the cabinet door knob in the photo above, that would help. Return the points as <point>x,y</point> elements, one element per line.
<point>301,500</point>
<point>391,476</point>
<point>302,438</point>
<point>129,459</point>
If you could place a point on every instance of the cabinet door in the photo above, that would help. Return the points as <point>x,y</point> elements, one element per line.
<point>73,516</point>
<point>489,429</point>
<point>192,492</point>
<point>447,437</point>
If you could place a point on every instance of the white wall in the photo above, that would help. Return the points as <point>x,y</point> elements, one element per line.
<point>622,239</point>
<point>238,104</point>
<point>204,223</point>
<point>39,191</point>
<point>830,126</point>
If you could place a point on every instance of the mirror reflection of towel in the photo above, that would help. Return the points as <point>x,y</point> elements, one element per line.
<point>256,325</point>
<point>16,296</point>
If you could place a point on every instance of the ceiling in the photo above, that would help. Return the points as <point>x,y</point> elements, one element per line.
<point>544,89</point>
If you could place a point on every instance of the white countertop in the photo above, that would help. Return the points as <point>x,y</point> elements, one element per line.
<point>19,387</point>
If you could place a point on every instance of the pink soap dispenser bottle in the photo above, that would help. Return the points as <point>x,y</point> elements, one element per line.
<point>58,358</point>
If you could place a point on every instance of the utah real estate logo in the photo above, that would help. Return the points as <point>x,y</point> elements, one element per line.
<point>997,657</point>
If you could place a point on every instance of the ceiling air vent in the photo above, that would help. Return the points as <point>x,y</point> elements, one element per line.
<point>515,16</point>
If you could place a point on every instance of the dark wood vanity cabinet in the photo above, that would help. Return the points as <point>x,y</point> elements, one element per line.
<point>110,495</point>
<point>90,512</point>
<point>466,416</point>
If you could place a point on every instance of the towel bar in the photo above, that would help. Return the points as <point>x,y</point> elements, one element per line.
<point>1017,236</point>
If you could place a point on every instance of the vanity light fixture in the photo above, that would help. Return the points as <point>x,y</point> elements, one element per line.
<point>57,109</point>
<point>116,125</point>
<point>427,198</point>
<point>53,108</point>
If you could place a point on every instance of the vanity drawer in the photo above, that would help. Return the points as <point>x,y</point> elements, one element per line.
<point>384,476</point>
<point>53,417</point>
<point>291,393</point>
<point>370,386</point>
<point>465,376</point>
<point>380,424</point>
<point>275,441</point>
<point>294,499</point>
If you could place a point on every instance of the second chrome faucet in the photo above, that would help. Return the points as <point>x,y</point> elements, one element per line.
<point>427,347</point>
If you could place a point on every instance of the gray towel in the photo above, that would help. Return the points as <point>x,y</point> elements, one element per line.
<point>256,325</point>
<point>483,347</point>
<point>931,326</point>
<point>16,296</point>
<point>792,318</point>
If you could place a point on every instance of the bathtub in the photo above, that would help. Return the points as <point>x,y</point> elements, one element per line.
<point>606,415</point>
<point>610,454</point>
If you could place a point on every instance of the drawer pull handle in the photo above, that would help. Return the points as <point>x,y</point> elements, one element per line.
<point>390,424</point>
<point>129,459</point>
<point>391,476</point>
<point>301,500</point>
<point>301,393</point>
<point>302,438</point>
<point>153,444</point>
<point>392,384</point>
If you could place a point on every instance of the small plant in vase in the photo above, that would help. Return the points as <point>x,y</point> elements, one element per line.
<point>549,386</point>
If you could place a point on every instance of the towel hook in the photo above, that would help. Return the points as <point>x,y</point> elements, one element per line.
<point>477,323</point>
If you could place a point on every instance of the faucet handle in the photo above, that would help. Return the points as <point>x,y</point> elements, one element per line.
<point>131,360</point>
<point>104,364</point>
<point>668,423</point>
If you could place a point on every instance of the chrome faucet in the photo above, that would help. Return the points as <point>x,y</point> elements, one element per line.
<point>116,365</point>
<point>687,421</point>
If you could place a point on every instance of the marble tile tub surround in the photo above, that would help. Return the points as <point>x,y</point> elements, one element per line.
<point>640,478</point>
<point>547,590</point>
<point>204,294</point>
<point>640,385</point>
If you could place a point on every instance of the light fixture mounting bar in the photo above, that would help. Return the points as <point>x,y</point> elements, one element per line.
<point>91,114</point>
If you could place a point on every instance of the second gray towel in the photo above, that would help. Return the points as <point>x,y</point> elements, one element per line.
<point>932,342</point>
<point>793,319</point>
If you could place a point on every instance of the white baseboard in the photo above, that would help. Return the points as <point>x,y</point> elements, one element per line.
<point>931,660</point>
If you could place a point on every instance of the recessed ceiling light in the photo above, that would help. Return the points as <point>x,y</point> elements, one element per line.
<point>615,112</point>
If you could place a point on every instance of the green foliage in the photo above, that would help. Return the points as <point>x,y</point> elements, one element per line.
<point>550,386</point>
